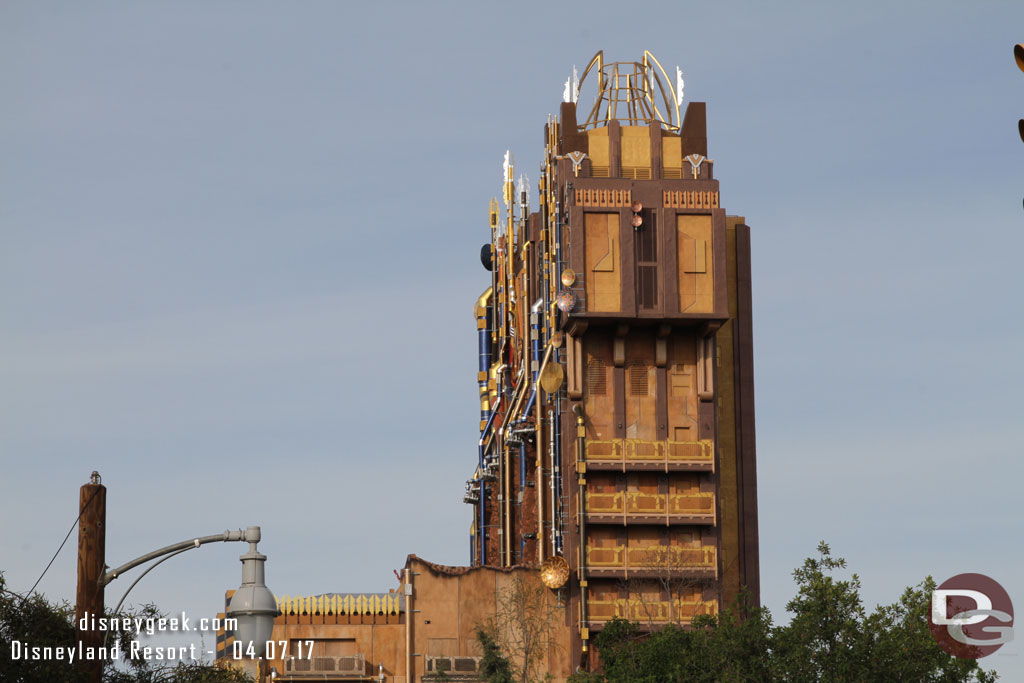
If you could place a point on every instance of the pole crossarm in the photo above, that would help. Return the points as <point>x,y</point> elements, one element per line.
<point>247,535</point>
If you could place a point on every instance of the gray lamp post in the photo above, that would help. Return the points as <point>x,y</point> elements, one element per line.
<point>253,605</point>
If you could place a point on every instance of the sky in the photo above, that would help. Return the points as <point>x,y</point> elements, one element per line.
<point>239,254</point>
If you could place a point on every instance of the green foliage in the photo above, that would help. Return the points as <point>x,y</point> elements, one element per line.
<point>906,649</point>
<point>35,622</point>
<point>38,623</point>
<point>183,672</point>
<point>494,667</point>
<point>824,641</point>
<point>830,638</point>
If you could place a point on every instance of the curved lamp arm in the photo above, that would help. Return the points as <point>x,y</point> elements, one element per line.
<point>117,610</point>
<point>250,535</point>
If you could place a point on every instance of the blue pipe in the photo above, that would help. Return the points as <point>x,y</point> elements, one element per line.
<point>484,340</point>
<point>487,417</point>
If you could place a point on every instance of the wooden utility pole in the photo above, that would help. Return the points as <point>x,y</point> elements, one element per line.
<point>92,532</point>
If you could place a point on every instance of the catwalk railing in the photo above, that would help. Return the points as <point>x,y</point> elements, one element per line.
<point>652,561</point>
<point>657,611</point>
<point>624,506</point>
<point>669,455</point>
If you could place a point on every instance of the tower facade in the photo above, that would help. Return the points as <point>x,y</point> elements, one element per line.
<point>616,368</point>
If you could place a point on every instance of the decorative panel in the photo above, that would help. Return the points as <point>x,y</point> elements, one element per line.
<point>597,142</point>
<point>636,148</point>
<point>696,277</point>
<point>672,156</point>
<point>603,272</point>
<point>682,387</point>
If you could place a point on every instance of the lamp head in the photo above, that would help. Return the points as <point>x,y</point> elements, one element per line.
<point>253,606</point>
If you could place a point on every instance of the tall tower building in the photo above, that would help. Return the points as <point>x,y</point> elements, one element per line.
<point>616,366</point>
<point>616,455</point>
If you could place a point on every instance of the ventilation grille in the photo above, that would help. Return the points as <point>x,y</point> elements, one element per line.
<point>349,664</point>
<point>599,172</point>
<point>597,378</point>
<point>324,664</point>
<point>636,172</point>
<point>672,173</point>
<point>638,378</point>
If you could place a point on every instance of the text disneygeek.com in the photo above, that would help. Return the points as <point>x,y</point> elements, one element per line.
<point>21,650</point>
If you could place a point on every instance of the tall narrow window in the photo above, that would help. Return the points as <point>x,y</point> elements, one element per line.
<point>647,261</point>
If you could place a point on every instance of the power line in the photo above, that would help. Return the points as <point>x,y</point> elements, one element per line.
<point>77,519</point>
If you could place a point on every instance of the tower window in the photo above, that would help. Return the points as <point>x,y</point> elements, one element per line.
<point>647,261</point>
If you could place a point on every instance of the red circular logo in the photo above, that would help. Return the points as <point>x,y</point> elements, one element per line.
<point>971,616</point>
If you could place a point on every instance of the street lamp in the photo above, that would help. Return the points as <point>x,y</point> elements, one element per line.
<point>252,605</point>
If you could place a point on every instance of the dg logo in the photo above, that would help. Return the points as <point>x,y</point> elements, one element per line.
<point>971,616</point>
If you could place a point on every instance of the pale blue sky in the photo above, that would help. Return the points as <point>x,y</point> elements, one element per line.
<point>238,256</point>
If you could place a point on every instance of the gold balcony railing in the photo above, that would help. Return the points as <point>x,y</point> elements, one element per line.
<point>605,503</point>
<point>643,611</point>
<point>637,503</point>
<point>691,503</point>
<point>652,558</point>
<point>608,556</point>
<point>645,503</point>
<point>694,455</point>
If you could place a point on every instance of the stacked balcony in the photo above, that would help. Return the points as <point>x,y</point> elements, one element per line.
<point>640,455</point>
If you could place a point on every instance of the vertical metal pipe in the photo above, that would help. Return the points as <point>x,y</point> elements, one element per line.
<point>502,497</point>
<point>508,506</point>
<point>581,506</point>
<point>551,456</point>
<point>539,486</point>
<point>556,474</point>
<point>482,513</point>
<point>483,370</point>
<point>481,533</point>
<point>522,500</point>
<point>408,624</point>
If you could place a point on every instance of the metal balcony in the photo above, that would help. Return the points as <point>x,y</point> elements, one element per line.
<point>626,455</point>
<point>652,561</point>
<point>625,507</point>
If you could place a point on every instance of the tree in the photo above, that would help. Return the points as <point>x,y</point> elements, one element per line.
<point>35,622</point>
<point>494,666</point>
<point>830,638</point>
<point>824,639</point>
<point>720,647</point>
<point>519,636</point>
